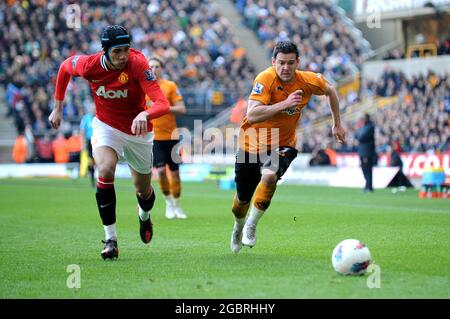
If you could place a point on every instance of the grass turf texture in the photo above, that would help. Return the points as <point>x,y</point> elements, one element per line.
<point>48,224</point>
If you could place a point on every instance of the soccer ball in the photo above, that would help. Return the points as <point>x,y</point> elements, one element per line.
<point>351,257</point>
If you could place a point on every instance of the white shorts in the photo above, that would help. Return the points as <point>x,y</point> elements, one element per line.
<point>137,151</point>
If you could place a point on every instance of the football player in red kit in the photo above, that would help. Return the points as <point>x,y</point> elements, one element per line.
<point>120,78</point>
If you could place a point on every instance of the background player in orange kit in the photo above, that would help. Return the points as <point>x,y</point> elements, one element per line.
<point>165,146</point>
<point>275,104</point>
<point>119,78</point>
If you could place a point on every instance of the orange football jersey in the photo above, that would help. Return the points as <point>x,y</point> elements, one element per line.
<point>269,90</point>
<point>165,127</point>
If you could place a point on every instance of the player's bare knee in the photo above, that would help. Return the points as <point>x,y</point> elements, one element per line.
<point>269,179</point>
<point>143,187</point>
<point>105,170</point>
<point>144,192</point>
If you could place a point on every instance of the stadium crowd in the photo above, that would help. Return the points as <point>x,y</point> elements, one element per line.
<point>417,122</point>
<point>327,42</point>
<point>192,37</point>
<point>201,54</point>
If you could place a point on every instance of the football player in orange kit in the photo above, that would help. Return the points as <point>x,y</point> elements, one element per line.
<point>166,138</point>
<point>267,137</point>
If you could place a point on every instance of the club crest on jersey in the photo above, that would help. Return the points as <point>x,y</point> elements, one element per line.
<point>111,94</point>
<point>149,75</point>
<point>258,88</point>
<point>123,78</point>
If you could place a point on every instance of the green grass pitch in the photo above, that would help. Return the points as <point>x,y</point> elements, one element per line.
<point>48,224</point>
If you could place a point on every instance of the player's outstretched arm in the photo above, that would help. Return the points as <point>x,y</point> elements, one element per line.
<point>333,101</point>
<point>71,66</point>
<point>258,112</point>
<point>178,109</point>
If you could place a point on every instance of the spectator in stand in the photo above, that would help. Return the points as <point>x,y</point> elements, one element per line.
<point>60,149</point>
<point>325,40</point>
<point>20,149</point>
<point>44,149</point>
<point>74,144</point>
<point>444,46</point>
<point>418,121</point>
<point>192,37</point>
<point>394,54</point>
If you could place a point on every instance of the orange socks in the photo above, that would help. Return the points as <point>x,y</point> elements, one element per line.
<point>163,183</point>
<point>239,210</point>
<point>263,195</point>
<point>175,186</point>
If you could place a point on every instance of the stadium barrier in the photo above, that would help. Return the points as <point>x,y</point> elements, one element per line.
<point>373,70</point>
<point>423,50</point>
<point>39,170</point>
<point>217,167</point>
<point>339,177</point>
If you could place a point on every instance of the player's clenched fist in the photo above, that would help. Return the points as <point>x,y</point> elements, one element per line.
<point>139,125</point>
<point>56,116</point>
<point>339,133</point>
<point>294,99</point>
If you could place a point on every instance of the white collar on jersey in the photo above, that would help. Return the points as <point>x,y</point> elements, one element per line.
<point>103,62</point>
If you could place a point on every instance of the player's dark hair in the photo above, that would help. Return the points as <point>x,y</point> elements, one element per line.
<point>285,47</point>
<point>157,59</point>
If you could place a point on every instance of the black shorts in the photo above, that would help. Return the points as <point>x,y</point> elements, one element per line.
<point>248,168</point>
<point>163,154</point>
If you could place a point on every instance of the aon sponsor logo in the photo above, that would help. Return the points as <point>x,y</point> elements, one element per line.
<point>111,94</point>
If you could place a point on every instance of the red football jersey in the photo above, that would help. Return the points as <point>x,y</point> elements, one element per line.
<point>119,95</point>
